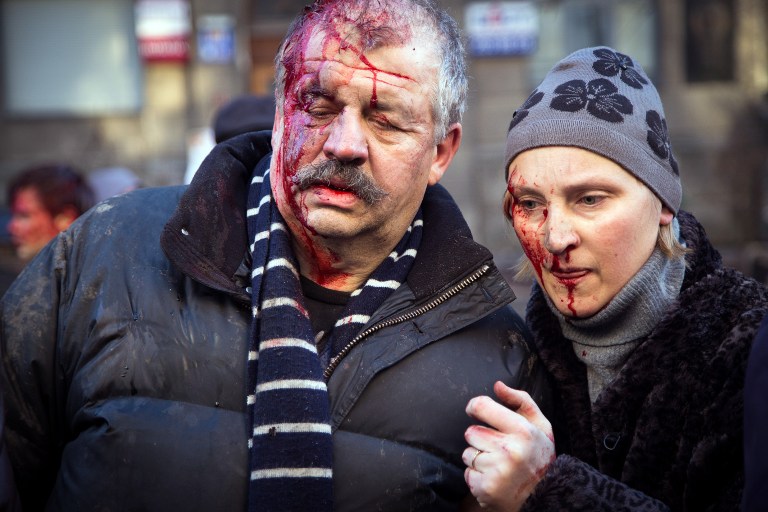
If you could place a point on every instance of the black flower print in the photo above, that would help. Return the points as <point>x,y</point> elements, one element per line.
<point>599,96</point>
<point>522,112</point>
<point>610,63</point>
<point>658,138</point>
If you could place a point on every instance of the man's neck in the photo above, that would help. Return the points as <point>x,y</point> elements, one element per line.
<point>342,266</point>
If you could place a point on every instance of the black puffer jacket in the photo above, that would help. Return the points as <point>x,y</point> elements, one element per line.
<point>666,434</point>
<point>124,365</point>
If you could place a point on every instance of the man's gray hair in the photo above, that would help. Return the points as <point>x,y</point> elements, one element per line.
<point>380,23</point>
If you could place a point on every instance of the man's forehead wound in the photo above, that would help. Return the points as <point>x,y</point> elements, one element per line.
<point>360,26</point>
<point>335,48</point>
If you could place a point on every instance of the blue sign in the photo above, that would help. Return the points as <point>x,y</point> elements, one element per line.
<point>216,39</point>
<point>502,28</point>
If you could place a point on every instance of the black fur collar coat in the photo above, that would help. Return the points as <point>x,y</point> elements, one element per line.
<point>667,433</point>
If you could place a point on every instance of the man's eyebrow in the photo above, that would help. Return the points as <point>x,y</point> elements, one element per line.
<point>314,88</point>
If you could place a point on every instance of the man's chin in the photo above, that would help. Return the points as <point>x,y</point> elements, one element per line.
<point>333,223</point>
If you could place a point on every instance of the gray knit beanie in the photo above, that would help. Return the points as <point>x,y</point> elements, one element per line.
<point>601,100</point>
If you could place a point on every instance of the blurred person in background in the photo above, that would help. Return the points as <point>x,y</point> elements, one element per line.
<point>241,114</point>
<point>112,181</point>
<point>44,200</point>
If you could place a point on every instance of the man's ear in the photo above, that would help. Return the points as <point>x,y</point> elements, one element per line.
<point>444,153</point>
<point>277,130</point>
<point>65,218</point>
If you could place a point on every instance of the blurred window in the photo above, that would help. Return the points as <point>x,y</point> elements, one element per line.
<point>70,57</point>
<point>629,26</point>
<point>709,38</point>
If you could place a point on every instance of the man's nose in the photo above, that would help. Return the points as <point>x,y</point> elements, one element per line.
<point>560,232</point>
<point>346,140</point>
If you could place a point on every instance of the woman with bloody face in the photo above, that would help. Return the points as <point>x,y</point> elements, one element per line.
<point>644,333</point>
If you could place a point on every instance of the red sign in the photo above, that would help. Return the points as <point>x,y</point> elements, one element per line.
<point>163,29</point>
<point>164,48</point>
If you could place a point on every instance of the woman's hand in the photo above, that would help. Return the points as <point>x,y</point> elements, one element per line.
<point>506,459</point>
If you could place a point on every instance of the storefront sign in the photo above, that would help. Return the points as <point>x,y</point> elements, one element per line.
<point>163,29</point>
<point>216,38</point>
<point>502,28</point>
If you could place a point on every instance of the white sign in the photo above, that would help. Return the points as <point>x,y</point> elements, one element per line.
<point>502,28</point>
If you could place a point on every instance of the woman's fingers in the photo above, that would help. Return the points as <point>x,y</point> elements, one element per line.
<point>517,409</point>
<point>522,403</point>
<point>509,454</point>
<point>488,411</point>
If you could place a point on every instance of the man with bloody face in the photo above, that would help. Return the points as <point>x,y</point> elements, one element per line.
<point>45,200</point>
<point>300,328</point>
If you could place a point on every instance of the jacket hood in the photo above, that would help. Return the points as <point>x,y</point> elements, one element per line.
<point>206,238</point>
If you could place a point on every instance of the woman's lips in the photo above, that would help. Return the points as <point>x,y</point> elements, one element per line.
<point>569,274</point>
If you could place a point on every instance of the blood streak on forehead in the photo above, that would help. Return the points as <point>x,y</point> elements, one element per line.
<point>338,31</point>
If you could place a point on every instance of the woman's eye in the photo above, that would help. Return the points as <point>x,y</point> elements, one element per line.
<point>527,204</point>
<point>590,200</point>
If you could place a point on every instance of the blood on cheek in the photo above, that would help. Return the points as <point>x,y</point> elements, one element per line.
<point>527,229</point>
<point>528,232</point>
<point>300,135</point>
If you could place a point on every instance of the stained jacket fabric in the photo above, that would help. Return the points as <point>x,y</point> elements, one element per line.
<point>124,363</point>
<point>666,434</point>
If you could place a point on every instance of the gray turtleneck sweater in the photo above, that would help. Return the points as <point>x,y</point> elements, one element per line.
<point>604,341</point>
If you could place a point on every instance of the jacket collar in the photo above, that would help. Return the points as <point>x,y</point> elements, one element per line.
<point>206,236</point>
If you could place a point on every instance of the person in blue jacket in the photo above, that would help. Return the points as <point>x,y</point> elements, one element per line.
<point>756,424</point>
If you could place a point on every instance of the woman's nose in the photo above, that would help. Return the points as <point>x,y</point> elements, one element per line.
<point>560,232</point>
<point>346,140</point>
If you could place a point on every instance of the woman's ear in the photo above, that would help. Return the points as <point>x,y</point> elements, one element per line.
<point>666,216</point>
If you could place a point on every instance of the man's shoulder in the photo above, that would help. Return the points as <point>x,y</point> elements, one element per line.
<point>139,213</point>
<point>139,206</point>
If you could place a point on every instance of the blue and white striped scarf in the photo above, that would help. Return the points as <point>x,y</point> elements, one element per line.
<point>291,449</point>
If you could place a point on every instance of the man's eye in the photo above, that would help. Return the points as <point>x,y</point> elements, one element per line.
<point>383,123</point>
<point>318,113</point>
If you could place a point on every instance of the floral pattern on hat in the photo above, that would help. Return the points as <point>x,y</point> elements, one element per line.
<point>522,112</point>
<point>610,63</point>
<point>658,138</point>
<point>599,96</point>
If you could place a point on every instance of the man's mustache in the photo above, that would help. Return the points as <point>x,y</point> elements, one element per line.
<point>351,176</point>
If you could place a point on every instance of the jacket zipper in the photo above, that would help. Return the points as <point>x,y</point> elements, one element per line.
<point>477,274</point>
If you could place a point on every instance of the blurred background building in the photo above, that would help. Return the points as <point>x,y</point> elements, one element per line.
<point>134,84</point>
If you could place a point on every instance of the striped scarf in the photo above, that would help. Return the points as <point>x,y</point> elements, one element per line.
<point>290,445</point>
